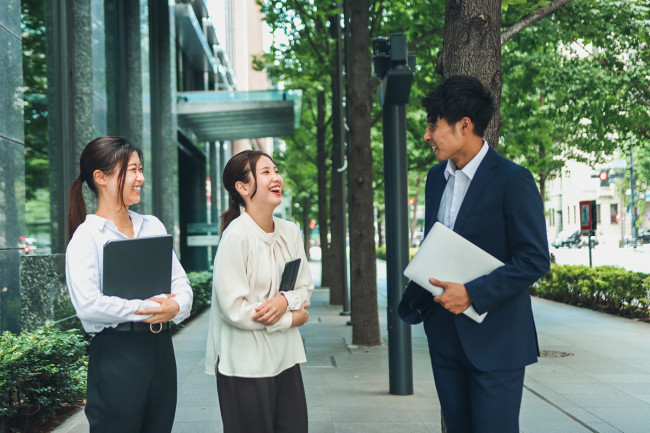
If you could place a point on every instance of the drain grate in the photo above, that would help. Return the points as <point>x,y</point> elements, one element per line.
<point>553,354</point>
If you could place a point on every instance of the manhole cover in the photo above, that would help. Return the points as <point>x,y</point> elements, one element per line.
<point>553,354</point>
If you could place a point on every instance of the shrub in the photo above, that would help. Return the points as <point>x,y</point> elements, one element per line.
<point>381,252</point>
<point>201,283</point>
<point>40,373</point>
<point>605,288</point>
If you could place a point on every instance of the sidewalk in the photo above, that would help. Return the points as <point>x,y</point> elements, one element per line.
<point>602,386</point>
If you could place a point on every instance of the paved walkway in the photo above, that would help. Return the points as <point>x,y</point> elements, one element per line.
<point>602,386</point>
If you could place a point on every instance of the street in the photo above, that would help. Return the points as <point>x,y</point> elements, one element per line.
<point>633,259</point>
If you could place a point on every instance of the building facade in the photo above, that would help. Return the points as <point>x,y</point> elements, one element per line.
<point>163,74</point>
<point>579,182</point>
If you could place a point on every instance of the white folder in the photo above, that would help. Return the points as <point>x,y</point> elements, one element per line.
<point>447,256</point>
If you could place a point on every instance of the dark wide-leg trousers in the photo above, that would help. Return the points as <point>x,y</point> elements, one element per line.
<point>263,405</point>
<point>131,382</point>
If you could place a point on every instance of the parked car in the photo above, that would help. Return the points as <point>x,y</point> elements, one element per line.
<point>572,238</point>
<point>28,245</point>
<point>643,237</point>
<point>562,238</point>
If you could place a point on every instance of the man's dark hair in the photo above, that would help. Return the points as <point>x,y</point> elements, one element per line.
<point>457,97</point>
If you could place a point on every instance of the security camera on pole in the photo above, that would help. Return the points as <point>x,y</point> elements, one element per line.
<point>394,65</point>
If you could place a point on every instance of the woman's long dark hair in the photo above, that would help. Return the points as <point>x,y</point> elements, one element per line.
<point>239,169</point>
<point>105,154</point>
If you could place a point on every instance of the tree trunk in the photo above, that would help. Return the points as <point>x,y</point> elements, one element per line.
<point>472,46</point>
<point>363,265</point>
<point>543,174</point>
<point>323,193</point>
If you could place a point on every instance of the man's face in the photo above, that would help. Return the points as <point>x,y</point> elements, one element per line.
<point>446,141</point>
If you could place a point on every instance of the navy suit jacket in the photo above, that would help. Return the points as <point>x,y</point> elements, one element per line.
<point>503,214</point>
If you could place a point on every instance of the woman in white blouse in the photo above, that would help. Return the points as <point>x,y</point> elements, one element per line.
<point>254,345</point>
<point>131,368</point>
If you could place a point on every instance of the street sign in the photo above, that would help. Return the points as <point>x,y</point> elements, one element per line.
<point>588,215</point>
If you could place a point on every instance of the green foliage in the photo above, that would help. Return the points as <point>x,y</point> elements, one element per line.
<point>575,87</point>
<point>35,97</point>
<point>601,86</point>
<point>381,252</point>
<point>201,283</point>
<point>39,373</point>
<point>604,288</point>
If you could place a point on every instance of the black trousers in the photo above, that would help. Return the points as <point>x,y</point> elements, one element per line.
<point>263,405</point>
<point>131,382</point>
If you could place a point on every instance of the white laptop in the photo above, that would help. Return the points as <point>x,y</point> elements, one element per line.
<point>447,256</point>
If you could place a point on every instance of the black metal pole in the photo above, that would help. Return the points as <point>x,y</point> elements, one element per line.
<point>339,164</point>
<point>633,199</point>
<point>400,362</point>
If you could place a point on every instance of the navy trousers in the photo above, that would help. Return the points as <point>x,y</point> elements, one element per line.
<point>131,382</point>
<point>475,401</point>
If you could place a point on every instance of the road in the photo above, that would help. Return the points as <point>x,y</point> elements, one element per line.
<point>633,259</point>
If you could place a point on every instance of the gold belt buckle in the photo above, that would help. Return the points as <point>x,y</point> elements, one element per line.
<point>155,331</point>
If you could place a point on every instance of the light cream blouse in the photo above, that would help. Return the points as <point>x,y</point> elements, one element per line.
<point>247,271</point>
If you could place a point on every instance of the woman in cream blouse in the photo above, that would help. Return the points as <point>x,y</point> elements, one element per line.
<point>254,345</point>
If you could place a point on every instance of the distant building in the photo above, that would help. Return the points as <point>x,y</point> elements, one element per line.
<point>579,182</point>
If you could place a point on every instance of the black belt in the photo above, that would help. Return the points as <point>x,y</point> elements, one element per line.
<point>140,327</point>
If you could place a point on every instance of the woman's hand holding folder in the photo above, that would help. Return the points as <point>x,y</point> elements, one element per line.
<point>167,311</point>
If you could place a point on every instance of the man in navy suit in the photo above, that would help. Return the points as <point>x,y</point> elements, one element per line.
<point>494,203</point>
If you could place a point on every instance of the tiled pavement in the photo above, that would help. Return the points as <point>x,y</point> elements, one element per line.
<point>603,386</point>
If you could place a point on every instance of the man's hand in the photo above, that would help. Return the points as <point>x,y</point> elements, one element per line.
<point>271,311</point>
<point>454,299</point>
<point>167,311</point>
<point>300,317</point>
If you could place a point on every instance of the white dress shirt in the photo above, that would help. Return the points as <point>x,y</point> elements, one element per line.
<point>247,271</point>
<point>84,260</point>
<point>457,185</point>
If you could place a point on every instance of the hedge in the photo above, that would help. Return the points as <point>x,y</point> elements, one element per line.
<point>44,372</point>
<point>604,288</point>
<point>381,252</point>
<point>40,373</point>
<point>201,283</point>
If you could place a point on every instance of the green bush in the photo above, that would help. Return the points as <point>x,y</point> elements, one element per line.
<point>604,288</point>
<point>40,373</point>
<point>201,283</point>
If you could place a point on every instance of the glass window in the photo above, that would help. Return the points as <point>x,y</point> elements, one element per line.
<point>613,212</point>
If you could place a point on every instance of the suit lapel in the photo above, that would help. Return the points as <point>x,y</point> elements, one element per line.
<point>433,199</point>
<point>484,174</point>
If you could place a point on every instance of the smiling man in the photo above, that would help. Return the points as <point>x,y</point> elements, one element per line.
<point>494,203</point>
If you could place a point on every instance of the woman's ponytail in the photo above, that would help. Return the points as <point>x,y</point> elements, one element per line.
<point>234,210</point>
<point>77,207</point>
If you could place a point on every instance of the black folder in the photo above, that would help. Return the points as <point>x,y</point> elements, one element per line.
<point>138,268</point>
<point>289,275</point>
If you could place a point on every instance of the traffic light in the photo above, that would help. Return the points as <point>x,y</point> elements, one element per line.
<point>604,177</point>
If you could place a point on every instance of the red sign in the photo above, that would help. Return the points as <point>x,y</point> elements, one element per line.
<point>585,215</point>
